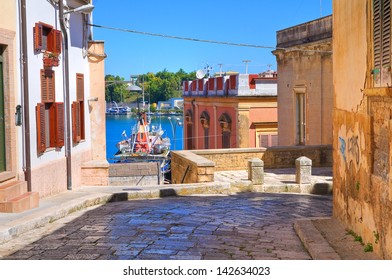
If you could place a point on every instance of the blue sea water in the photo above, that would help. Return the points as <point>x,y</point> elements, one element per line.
<point>116,124</point>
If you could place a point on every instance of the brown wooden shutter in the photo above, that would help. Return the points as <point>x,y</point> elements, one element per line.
<point>79,87</point>
<point>57,41</point>
<point>382,42</point>
<point>59,124</point>
<point>37,32</point>
<point>41,132</point>
<point>47,86</point>
<point>54,41</point>
<point>76,137</point>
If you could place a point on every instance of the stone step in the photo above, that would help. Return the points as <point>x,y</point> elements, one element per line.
<point>12,189</point>
<point>20,203</point>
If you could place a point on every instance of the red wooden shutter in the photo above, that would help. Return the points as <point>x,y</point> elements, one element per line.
<point>76,122</point>
<point>57,41</point>
<point>54,41</point>
<point>59,124</point>
<point>37,31</point>
<point>79,87</point>
<point>41,133</point>
<point>47,86</point>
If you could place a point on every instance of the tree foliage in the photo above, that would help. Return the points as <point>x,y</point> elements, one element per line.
<point>160,86</point>
<point>115,88</point>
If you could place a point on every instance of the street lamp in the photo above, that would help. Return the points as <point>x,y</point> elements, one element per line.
<point>179,123</point>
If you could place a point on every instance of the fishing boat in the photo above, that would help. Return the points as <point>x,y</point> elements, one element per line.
<point>146,143</point>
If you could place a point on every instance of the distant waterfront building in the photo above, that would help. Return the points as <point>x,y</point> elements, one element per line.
<point>231,111</point>
<point>305,94</point>
<point>171,104</point>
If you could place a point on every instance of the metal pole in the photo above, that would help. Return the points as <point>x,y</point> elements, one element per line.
<point>67,104</point>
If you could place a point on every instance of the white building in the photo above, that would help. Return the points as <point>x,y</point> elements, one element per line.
<point>49,57</point>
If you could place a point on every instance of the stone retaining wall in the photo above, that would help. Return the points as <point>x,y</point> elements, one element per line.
<point>140,173</point>
<point>199,165</point>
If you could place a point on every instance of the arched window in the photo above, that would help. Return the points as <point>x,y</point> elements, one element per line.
<point>205,123</point>
<point>189,129</point>
<point>225,124</point>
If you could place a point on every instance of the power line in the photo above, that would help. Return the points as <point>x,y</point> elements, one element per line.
<point>205,41</point>
<point>182,38</point>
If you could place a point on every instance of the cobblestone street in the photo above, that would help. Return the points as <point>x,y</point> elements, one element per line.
<point>244,226</point>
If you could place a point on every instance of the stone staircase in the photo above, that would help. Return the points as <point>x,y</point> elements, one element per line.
<point>14,197</point>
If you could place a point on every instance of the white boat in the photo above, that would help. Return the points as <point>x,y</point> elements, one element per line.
<point>146,143</point>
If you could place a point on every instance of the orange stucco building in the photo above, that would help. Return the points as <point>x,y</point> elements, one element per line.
<point>236,111</point>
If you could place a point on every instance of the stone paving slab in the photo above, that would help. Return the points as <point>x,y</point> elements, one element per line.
<point>68,206</point>
<point>240,226</point>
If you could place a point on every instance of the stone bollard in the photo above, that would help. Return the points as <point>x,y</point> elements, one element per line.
<point>256,171</point>
<point>303,166</point>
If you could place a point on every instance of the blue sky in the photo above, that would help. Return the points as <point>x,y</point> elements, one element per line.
<point>245,22</point>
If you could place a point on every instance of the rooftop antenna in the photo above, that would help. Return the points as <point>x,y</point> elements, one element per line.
<point>220,69</point>
<point>200,74</point>
<point>207,69</point>
<point>246,61</point>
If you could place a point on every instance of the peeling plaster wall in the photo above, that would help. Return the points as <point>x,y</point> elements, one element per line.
<point>362,131</point>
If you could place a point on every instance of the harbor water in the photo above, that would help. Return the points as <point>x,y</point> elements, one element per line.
<point>117,124</point>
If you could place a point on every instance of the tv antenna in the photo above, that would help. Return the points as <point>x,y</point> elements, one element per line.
<point>200,74</point>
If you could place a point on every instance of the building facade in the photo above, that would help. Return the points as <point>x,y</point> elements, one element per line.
<point>46,96</point>
<point>362,120</point>
<point>305,99</point>
<point>236,111</point>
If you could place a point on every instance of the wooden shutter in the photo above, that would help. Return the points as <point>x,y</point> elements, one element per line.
<point>47,86</point>
<point>54,41</point>
<point>37,33</point>
<point>79,87</point>
<point>59,124</point>
<point>382,42</point>
<point>76,135</point>
<point>57,41</point>
<point>41,134</point>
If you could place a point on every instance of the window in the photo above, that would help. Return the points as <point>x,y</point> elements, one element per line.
<point>382,42</point>
<point>300,118</point>
<point>47,39</point>
<point>266,140</point>
<point>189,130</point>
<point>205,123</point>
<point>78,126</point>
<point>49,115</point>
<point>225,124</point>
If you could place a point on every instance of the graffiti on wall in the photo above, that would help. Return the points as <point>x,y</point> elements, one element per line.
<point>350,144</point>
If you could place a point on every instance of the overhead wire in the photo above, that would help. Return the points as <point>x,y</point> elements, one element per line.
<point>204,40</point>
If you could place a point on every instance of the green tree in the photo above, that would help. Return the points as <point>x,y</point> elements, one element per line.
<point>115,88</point>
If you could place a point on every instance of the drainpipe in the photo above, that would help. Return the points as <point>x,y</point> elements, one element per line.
<point>66,96</point>
<point>25,94</point>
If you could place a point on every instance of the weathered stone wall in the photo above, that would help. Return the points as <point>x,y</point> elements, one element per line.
<point>188,167</point>
<point>362,130</point>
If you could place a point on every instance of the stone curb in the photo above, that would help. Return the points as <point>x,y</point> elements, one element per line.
<point>317,246</point>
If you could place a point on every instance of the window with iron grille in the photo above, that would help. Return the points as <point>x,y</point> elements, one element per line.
<point>382,42</point>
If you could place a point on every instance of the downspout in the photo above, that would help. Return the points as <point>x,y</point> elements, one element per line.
<point>25,94</point>
<point>68,155</point>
